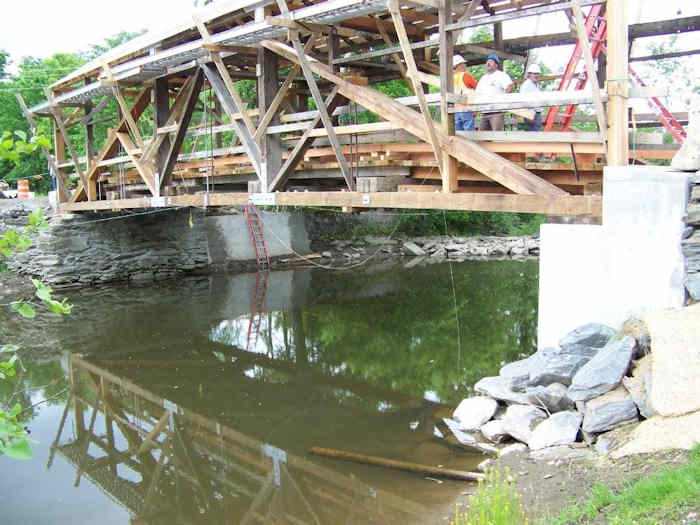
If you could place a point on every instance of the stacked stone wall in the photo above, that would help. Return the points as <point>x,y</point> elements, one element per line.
<point>89,248</point>
<point>691,240</point>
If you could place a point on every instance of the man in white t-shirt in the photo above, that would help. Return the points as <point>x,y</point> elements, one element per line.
<point>531,85</point>
<point>494,82</point>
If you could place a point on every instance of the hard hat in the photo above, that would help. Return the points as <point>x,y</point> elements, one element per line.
<point>494,58</point>
<point>457,60</point>
<point>534,68</point>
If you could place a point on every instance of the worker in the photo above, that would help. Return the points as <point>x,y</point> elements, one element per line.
<point>463,80</point>
<point>531,85</point>
<point>494,82</point>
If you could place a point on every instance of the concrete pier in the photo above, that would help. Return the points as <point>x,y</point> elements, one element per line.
<point>630,264</point>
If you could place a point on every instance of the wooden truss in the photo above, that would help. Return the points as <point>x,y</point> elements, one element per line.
<point>295,53</point>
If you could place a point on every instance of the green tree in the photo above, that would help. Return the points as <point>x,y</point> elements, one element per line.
<point>4,62</point>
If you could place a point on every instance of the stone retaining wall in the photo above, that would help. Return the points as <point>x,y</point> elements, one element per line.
<point>83,249</point>
<point>691,240</point>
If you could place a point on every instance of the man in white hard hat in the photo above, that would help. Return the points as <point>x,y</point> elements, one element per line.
<point>531,85</point>
<point>463,80</point>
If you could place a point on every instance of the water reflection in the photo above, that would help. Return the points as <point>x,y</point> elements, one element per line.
<point>165,463</point>
<point>179,386</point>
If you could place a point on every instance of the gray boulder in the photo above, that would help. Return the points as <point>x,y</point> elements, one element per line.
<point>514,448</point>
<point>465,440</point>
<point>561,453</point>
<point>494,431</point>
<point>590,335</point>
<point>474,412</point>
<point>413,248</point>
<point>518,372</point>
<point>639,386</point>
<point>553,397</point>
<point>609,411</point>
<point>554,366</point>
<point>520,420</point>
<point>604,371</point>
<point>499,388</point>
<point>560,429</point>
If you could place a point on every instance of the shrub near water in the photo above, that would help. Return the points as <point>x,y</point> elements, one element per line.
<point>496,502</point>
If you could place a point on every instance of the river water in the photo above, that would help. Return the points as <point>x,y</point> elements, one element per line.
<point>198,401</point>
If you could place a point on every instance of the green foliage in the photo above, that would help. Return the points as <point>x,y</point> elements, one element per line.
<point>14,441</point>
<point>34,75</point>
<point>14,146</point>
<point>4,62</point>
<point>664,497</point>
<point>97,50</point>
<point>16,241</point>
<point>496,502</point>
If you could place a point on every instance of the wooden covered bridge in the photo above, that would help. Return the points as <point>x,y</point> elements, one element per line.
<point>181,134</point>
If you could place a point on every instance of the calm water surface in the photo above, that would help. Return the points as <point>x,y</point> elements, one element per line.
<point>197,401</point>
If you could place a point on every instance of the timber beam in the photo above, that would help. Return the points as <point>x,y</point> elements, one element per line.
<point>502,171</point>
<point>570,205</point>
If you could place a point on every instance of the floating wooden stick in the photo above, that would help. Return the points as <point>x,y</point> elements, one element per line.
<point>400,465</point>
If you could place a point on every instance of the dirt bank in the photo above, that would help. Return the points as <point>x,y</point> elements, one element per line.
<point>547,487</point>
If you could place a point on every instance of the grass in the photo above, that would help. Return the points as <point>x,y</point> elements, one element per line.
<point>496,502</point>
<point>667,496</point>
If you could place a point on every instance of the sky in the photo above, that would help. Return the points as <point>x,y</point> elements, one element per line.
<point>42,27</point>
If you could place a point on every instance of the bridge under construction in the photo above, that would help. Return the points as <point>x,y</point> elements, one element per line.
<point>184,130</point>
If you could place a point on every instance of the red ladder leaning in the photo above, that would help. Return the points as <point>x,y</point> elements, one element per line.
<point>596,30</point>
<point>257,236</point>
<point>664,115</point>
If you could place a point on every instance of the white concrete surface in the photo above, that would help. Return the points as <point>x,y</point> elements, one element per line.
<point>631,264</point>
<point>229,236</point>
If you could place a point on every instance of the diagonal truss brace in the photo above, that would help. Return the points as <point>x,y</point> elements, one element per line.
<point>63,192</point>
<point>415,80</point>
<point>303,144</point>
<point>492,165</point>
<point>318,100</point>
<point>229,105</point>
<point>142,102</point>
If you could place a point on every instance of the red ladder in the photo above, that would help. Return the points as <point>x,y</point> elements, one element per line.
<point>257,236</point>
<point>665,117</point>
<point>596,30</point>
<point>257,307</point>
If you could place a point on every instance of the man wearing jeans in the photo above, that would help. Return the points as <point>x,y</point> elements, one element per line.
<point>531,85</point>
<point>494,82</point>
<point>463,80</point>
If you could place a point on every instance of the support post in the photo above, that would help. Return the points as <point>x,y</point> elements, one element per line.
<point>447,119</point>
<point>62,191</point>
<point>417,85</point>
<point>617,85</point>
<point>270,145</point>
<point>161,114</point>
<point>590,70</point>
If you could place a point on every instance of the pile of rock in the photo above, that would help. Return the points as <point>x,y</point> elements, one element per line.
<point>595,382</point>
<point>691,240</point>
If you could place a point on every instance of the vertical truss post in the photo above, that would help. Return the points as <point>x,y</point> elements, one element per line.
<point>161,114</point>
<point>62,192</point>
<point>618,87</point>
<point>270,145</point>
<point>57,113</point>
<point>318,99</point>
<point>449,174</point>
<point>590,70</point>
<point>415,80</point>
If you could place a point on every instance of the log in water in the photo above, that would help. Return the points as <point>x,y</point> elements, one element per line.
<point>400,465</point>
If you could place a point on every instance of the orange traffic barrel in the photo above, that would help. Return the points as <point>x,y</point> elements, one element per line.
<point>23,189</point>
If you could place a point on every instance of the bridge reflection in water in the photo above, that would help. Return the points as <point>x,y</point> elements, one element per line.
<point>167,464</point>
